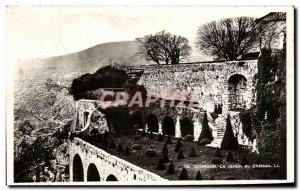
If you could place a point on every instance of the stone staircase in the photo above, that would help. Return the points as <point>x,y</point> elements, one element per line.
<point>217,140</point>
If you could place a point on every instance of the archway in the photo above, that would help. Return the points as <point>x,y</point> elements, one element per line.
<point>168,126</point>
<point>136,118</point>
<point>111,178</point>
<point>92,173</point>
<point>186,127</point>
<point>152,123</point>
<point>77,169</point>
<point>237,85</point>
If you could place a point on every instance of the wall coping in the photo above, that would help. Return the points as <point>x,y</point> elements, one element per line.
<point>122,161</point>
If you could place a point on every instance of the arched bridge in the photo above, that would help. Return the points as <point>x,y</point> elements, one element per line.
<point>89,163</point>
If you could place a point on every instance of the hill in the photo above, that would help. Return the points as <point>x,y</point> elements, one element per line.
<point>66,67</point>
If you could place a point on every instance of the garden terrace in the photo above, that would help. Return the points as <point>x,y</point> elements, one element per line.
<point>191,164</point>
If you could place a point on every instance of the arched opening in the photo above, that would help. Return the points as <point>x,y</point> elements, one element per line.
<point>237,85</point>
<point>152,123</point>
<point>92,173</point>
<point>111,178</point>
<point>136,118</point>
<point>186,127</point>
<point>168,126</point>
<point>77,169</point>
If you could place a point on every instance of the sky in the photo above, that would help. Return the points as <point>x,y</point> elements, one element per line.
<point>40,32</point>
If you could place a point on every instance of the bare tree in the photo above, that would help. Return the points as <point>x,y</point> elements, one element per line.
<point>227,38</point>
<point>164,47</point>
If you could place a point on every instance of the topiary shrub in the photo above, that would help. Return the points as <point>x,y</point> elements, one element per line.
<point>112,144</point>
<point>229,141</point>
<point>105,142</point>
<point>165,158</point>
<point>165,149</point>
<point>120,148</point>
<point>229,157</point>
<point>193,152</point>
<point>189,138</point>
<point>216,161</point>
<point>206,132</point>
<point>169,140</point>
<point>160,165</point>
<point>204,142</point>
<point>178,145</point>
<point>137,137</point>
<point>180,155</point>
<point>217,153</point>
<point>198,176</point>
<point>183,174</point>
<point>244,160</point>
<point>171,169</point>
<point>160,138</point>
<point>150,153</point>
<point>127,151</point>
<point>136,147</point>
<point>150,135</point>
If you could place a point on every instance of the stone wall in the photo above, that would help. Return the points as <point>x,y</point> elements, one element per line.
<point>106,164</point>
<point>208,82</point>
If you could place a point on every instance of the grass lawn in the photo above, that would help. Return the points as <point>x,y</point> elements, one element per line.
<point>192,164</point>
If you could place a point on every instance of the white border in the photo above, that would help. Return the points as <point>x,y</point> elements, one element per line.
<point>290,110</point>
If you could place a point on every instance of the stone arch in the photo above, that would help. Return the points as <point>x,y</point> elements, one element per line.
<point>237,86</point>
<point>168,126</point>
<point>136,117</point>
<point>111,178</point>
<point>78,175</point>
<point>186,126</point>
<point>92,173</point>
<point>152,122</point>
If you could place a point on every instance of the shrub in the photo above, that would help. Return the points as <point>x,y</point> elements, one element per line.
<point>150,153</point>
<point>193,152</point>
<point>189,138</point>
<point>137,137</point>
<point>198,176</point>
<point>160,165</point>
<point>165,149</point>
<point>216,160</point>
<point>160,138</point>
<point>244,160</point>
<point>127,151</point>
<point>229,141</point>
<point>171,169</point>
<point>204,142</point>
<point>105,77</point>
<point>150,135</point>
<point>169,140</point>
<point>206,131</point>
<point>112,144</point>
<point>165,158</point>
<point>136,147</point>
<point>178,146</point>
<point>217,153</point>
<point>229,157</point>
<point>180,155</point>
<point>183,174</point>
<point>120,148</point>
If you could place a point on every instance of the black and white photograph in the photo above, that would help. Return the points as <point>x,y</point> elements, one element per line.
<point>149,95</point>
